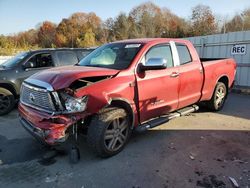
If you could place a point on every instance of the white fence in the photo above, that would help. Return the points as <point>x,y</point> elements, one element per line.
<point>4,58</point>
<point>235,45</point>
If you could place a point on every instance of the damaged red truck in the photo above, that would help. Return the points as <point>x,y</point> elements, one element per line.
<point>121,86</point>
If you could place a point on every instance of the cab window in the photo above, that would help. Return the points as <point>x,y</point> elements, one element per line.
<point>67,58</point>
<point>184,54</point>
<point>39,61</point>
<point>160,51</point>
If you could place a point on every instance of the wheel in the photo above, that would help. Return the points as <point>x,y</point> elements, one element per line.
<point>7,101</point>
<point>109,131</point>
<point>217,101</point>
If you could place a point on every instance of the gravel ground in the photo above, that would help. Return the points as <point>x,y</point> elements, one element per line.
<point>202,149</point>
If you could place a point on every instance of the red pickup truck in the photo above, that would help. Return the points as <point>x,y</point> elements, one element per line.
<point>121,86</point>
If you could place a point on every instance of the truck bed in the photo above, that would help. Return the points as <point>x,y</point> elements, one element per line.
<point>214,69</point>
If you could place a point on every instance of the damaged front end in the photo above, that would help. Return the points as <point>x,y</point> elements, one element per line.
<point>49,128</point>
<point>48,114</point>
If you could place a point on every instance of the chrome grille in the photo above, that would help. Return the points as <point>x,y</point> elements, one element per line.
<point>36,97</point>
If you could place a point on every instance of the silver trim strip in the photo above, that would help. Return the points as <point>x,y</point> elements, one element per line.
<point>40,83</point>
<point>34,88</point>
<point>175,54</point>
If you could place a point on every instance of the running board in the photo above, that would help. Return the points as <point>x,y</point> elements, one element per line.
<point>163,119</point>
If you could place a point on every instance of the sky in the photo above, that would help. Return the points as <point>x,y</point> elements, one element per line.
<point>21,15</point>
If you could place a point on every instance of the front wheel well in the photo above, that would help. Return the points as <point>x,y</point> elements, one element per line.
<point>114,103</point>
<point>126,106</point>
<point>10,88</point>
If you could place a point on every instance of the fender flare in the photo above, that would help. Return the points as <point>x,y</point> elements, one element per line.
<point>125,104</point>
<point>10,87</point>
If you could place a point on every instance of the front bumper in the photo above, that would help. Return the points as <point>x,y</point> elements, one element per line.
<point>47,128</point>
<point>34,131</point>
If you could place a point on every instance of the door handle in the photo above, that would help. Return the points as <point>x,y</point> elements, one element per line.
<point>174,74</point>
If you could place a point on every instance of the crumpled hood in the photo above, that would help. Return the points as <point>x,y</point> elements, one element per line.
<point>62,77</point>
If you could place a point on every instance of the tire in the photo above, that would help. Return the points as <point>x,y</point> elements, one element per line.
<point>7,101</point>
<point>109,131</point>
<point>217,101</point>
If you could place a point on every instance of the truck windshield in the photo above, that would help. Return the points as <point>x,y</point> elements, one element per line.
<point>114,56</point>
<point>14,60</point>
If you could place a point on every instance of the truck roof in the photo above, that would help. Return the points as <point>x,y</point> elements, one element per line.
<point>153,40</point>
<point>61,49</point>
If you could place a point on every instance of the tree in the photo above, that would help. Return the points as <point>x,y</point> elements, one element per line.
<point>88,39</point>
<point>72,31</point>
<point>203,21</point>
<point>107,31</point>
<point>121,27</point>
<point>172,25</point>
<point>235,24</point>
<point>146,18</point>
<point>246,19</point>
<point>7,45</point>
<point>46,34</point>
<point>149,20</point>
<point>134,30</point>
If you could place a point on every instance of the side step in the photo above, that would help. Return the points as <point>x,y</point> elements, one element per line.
<point>163,119</point>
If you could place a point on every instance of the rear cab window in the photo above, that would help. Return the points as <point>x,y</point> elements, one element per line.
<point>66,58</point>
<point>184,54</point>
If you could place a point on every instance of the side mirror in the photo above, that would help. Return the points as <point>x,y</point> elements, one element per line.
<point>28,65</point>
<point>154,64</point>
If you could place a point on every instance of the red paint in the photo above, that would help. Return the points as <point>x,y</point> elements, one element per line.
<point>158,92</point>
<point>62,77</point>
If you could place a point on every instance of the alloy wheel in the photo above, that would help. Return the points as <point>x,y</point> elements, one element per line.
<point>4,102</point>
<point>220,96</point>
<point>116,134</point>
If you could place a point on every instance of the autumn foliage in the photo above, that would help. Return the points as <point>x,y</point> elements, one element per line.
<point>146,20</point>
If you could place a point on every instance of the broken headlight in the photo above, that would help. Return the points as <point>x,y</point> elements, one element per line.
<point>73,104</point>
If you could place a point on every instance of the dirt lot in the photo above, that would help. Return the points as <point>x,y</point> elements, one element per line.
<point>203,149</point>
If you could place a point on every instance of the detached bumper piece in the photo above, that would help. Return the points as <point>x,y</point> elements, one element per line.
<point>41,135</point>
<point>47,128</point>
<point>34,131</point>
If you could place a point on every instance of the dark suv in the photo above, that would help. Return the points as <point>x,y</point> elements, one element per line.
<point>25,64</point>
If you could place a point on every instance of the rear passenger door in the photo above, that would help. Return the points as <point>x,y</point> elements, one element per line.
<point>65,58</point>
<point>191,77</point>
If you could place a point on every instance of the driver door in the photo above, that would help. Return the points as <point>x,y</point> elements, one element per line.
<point>158,89</point>
<point>36,63</point>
